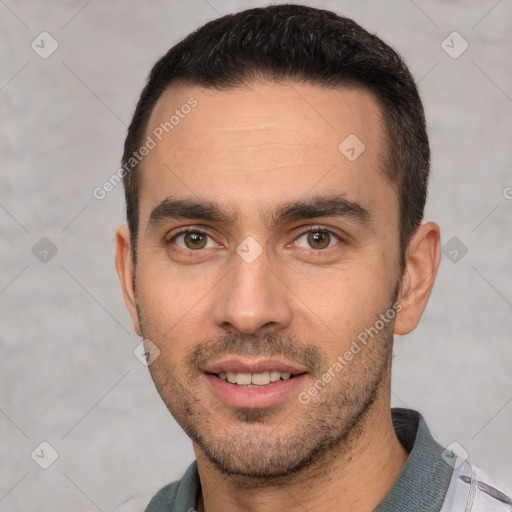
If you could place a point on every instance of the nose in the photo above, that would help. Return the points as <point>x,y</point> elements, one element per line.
<point>252,298</point>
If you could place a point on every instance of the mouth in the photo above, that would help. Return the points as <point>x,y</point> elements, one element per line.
<point>254,380</point>
<point>253,383</point>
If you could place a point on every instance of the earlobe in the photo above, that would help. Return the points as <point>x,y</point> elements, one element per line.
<point>423,256</point>
<point>125,271</point>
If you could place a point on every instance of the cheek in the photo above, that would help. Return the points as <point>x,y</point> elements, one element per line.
<point>333,307</point>
<point>175,304</point>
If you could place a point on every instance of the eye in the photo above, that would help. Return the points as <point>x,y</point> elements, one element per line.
<point>192,240</point>
<point>317,239</point>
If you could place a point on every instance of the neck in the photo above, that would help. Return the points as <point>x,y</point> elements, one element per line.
<point>355,476</point>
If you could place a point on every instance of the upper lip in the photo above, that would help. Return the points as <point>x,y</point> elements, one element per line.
<point>253,365</point>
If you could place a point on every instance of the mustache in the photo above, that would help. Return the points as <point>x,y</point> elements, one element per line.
<point>266,345</point>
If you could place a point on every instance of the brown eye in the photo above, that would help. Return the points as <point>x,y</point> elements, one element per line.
<point>193,240</point>
<point>317,239</point>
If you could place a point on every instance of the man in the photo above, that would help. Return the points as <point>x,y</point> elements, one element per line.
<point>275,173</point>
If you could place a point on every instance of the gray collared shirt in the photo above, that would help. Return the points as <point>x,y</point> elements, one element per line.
<point>433,479</point>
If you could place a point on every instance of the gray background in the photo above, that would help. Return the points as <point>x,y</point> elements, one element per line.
<point>68,374</point>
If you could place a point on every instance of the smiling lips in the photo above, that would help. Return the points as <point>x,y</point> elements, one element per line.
<point>252,380</point>
<point>246,372</point>
<point>253,383</point>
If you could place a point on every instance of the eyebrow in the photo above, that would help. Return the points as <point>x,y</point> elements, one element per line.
<point>320,206</point>
<point>309,208</point>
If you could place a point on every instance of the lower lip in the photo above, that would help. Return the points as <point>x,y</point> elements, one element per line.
<point>252,398</point>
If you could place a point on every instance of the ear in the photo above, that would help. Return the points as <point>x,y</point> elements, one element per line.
<point>422,260</point>
<point>125,271</point>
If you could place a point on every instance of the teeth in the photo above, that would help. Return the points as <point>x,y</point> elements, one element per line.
<point>261,379</point>
<point>253,380</point>
<point>231,377</point>
<point>243,378</point>
<point>275,376</point>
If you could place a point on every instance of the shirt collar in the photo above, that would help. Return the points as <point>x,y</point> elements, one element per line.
<point>421,486</point>
<point>425,478</point>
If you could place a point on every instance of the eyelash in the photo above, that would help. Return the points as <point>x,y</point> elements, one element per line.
<point>314,229</point>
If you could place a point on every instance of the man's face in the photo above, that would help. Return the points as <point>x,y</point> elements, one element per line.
<point>292,256</point>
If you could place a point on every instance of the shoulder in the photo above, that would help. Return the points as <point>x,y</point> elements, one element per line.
<point>473,489</point>
<point>164,499</point>
<point>178,496</point>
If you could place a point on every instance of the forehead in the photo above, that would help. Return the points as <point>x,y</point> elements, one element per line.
<point>264,143</point>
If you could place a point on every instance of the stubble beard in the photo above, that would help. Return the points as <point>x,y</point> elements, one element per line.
<point>252,442</point>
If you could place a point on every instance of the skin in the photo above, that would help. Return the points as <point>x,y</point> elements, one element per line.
<point>250,150</point>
